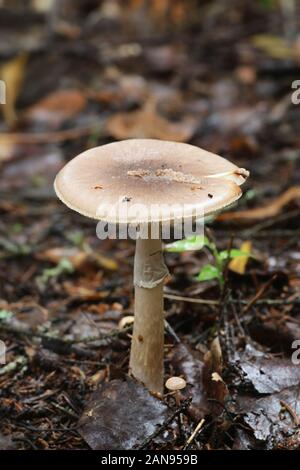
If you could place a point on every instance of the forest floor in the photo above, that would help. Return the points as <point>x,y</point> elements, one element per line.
<point>222,83</point>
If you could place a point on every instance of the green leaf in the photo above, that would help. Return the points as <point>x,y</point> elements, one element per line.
<point>5,314</point>
<point>234,253</point>
<point>64,266</point>
<point>196,242</point>
<point>209,272</point>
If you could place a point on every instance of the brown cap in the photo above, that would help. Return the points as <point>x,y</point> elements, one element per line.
<point>147,172</point>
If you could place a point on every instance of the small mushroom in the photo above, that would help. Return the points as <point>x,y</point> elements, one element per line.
<point>175,384</point>
<point>152,172</point>
<point>126,321</point>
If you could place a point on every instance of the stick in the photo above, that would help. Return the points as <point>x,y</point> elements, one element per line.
<point>194,434</point>
<point>185,404</point>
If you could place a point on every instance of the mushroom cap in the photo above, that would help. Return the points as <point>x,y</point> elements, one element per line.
<point>145,172</point>
<point>126,321</point>
<point>175,383</point>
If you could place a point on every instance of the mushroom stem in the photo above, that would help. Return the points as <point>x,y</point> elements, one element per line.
<point>147,348</point>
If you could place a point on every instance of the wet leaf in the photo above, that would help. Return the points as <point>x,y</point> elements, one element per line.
<point>121,415</point>
<point>273,417</point>
<point>186,364</point>
<point>268,374</point>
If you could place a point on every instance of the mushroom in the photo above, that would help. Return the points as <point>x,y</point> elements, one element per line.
<point>140,174</point>
<point>175,384</point>
<point>126,321</point>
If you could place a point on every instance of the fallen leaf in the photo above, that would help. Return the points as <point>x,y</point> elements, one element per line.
<point>270,210</point>
<point>87,325</point>
<point>147,123</point>
<point>12,73</point>
<point>268,374</point>
<point>186,364</point>
<point>275,46</point>
<point>98,377</point>
<point>57,107</point>
<point>76,256</point>
<point>269,418</point>
<point>31,168</point>
<point>120,416</point>
<point>215,387</point>
<point>105,262</point>
<point>26,312</point>
<point>238,264</point>
<point>244,440</point>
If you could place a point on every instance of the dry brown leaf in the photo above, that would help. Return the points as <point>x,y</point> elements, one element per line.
<point>106,263</point>
<point>147,123</point>
<point>77,257</point>
<point>82,292</point>
<point>55,255</point>
<point>276,47</point>
<point>270,210</point>
<point>57,107</point>
<point>215,387</point>
<point>238,264</point>
<point>26,312</point>
<point>12,73</point>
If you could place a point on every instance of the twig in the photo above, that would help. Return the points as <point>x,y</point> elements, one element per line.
<point>26,441</point>
<point>194,434</point>
<point>259,293</point>
<point>291,412</point>
<point>46,137</point>
<point>295,301</point>
<point>66,342</point>
<point>171,332</point>
<point>191,299</point>
<point>184,405</point>
<point>48,430</point>
<point>66,411</point>
<point>269,222</point>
